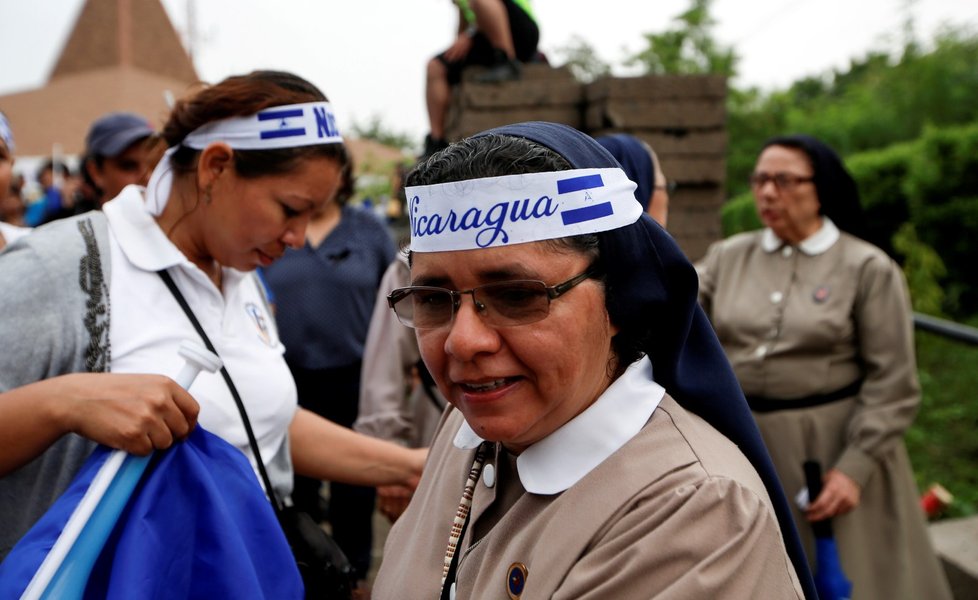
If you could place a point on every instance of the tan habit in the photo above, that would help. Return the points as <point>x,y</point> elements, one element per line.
<point>677,512</point>
<point>795,325</point>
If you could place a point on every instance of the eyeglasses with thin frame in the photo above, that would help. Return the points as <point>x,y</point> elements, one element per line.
<point>501,304</point>
<point>782,181</point>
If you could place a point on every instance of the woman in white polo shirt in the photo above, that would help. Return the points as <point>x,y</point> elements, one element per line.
<point>250,159</point>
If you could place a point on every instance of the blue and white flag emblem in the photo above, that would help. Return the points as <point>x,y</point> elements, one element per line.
<point>516,209</point>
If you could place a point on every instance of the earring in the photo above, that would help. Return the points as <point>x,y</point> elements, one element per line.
<point>207,194</point>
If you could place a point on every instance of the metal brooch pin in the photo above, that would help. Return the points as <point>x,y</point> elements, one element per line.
<point>516,580</point>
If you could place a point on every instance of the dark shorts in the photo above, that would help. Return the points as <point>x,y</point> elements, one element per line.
<point>525,33</point>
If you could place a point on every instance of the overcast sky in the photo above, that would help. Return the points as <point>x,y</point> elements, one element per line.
<point>368,56</point>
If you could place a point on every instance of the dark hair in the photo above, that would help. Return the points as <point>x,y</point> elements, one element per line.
<point>838,196</point>
<point>485,156</point>
<point>499,155</point>
<point>99,161</point>
<point>51,164</point>
<point>244,95</point>
<point>348,182</point>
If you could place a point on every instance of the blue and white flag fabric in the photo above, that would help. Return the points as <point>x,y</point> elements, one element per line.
<point>198,525</point>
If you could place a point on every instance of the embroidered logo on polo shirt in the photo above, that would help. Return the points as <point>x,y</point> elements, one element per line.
<point>261,322</point>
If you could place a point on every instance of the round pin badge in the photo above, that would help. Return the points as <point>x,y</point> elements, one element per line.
<point>821,294</point>
<point>516,580</point>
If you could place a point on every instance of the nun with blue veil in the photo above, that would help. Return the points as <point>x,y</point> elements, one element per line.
<point>597,444</point>
<point>642,166</point>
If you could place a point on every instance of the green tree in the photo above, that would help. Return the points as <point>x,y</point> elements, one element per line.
<point>376,129</point>
<point>688,48</point>
<point>881,99</point>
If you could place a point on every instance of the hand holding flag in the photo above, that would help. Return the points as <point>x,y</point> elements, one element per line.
<point>65,569</point>
<point>197,525</point>
<point>830,580</point>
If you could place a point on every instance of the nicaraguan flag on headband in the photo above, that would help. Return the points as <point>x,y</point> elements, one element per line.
<point>198,525</point>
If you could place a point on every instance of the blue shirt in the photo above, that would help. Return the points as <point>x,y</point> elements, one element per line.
<point>324,296</point>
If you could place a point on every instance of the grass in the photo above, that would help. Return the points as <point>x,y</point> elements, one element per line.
<point>943,441</point>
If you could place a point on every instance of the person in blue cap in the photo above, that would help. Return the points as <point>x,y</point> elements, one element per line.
<point>597,444</point>
<point>121,148</point>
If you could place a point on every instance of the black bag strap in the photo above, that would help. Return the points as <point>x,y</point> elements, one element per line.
<point>428,383</point>
<point>234,391</point>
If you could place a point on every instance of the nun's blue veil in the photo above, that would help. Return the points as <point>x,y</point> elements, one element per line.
<point>652,286</point>
<point>635,160</point>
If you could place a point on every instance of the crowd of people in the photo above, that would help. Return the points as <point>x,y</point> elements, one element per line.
<point>557,405</point>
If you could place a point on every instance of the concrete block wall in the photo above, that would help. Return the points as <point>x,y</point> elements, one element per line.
<point>956,544</point>
<point>543,93</point>
<point>682,117</point>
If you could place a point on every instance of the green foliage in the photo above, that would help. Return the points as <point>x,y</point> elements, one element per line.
<point>878,101</point>
<point>942,440</point>
<point>739,214</point>
<point>582,60</point>
<point>881,176</point>
<point>923,269</point>
<point>751,117</point>
<point>943,190</point>
<point>907,124</point>
<point>376,129</point>
<point>373,186</point>
<point>688,48</point>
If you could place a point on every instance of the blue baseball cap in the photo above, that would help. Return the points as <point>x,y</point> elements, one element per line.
<point>111,134</point>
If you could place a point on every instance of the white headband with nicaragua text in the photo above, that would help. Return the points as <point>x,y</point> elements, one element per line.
<point>515,209</point>
<point>288,126</point>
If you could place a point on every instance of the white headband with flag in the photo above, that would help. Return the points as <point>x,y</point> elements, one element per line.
<point>515,209</point>
<point>276,127</point>
<point>288,126</point>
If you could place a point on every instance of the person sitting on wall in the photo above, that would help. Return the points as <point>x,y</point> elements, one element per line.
<point>498,34</point>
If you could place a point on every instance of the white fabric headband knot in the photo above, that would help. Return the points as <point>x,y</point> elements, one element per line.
<point>515,209</point>
<point>287,126</point>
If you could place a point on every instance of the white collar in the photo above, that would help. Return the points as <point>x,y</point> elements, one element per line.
<point>12,232</point>
<point>138,234</point>
<point>144,243</point>
<point>813,245</point>
<point>564,457</point>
